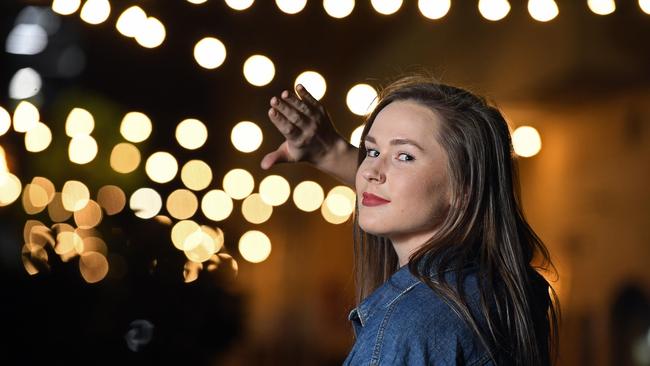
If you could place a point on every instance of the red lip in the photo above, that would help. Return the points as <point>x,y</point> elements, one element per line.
<point>370,199</point>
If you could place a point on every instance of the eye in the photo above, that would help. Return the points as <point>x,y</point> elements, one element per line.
<point>372,153</point>
<point>405,157</point>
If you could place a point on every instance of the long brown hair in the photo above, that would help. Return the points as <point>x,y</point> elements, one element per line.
<point>485,226</point>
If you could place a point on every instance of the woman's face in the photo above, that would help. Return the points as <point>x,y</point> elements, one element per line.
<point>402,184</point>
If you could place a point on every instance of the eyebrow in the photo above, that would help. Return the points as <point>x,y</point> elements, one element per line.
<point>394,142</point>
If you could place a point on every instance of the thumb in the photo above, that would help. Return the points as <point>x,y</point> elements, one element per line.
<point>274,157</point>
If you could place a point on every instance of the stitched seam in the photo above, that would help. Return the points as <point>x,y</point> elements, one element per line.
<point>376,354</point>
<point>402,293</point>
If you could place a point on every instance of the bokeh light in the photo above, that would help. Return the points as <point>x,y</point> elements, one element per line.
<point>5,121</point>
<point>135,127</point>
<point>355,136</point>
<point>274,190</point>
<point>645,6</point>
<point>526,141</point>
<point>246,136</point>
<point>191,134</point>
<point>196,2</point>
<point>238,183</point>
<point>191,271</point>
<point>79,122</point>
<point>56,210</point>
<point>259,70</point>
<point>35,199</point>
<point>196,175</point>
<point>338,8</point>
<point>65,7</point>
<point>26,116</point>
<point>89,216</point>
<point>82,149</point>
<point>361,99</point>
<point>93,266</point>
<point>181,230</point>
<point>200,246</point>
<point>434,9</point>
<point>74,195</point>
<point>602,7</point>
<point>216,234</point>
<point>112,199</point>
<point>38,138</point>
<point>494,9</point>
<point>291,6</point>
<point>125,158</point>
<point>152,33</point>
<point>254,246</point>
<point>255,210</point>
<point>313,82</point>
<point>182,204</point>
<point>239,4</point>
<point>330,217</point>
<point>161,167</point>
<point>308,196</point>
<point>341,201</point>
<point>386,7</point>
<point>131,21</point>
<point>543,10</point>
<point>216,205</point>
<point>94,244</point>
<point>47,185</point>
<point>210,53</point>
<point>95,11</point>
<point>145,203</point>
<point>3,161</point>
<point>26,82</point>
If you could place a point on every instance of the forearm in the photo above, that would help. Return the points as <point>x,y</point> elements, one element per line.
<point>340,162</point>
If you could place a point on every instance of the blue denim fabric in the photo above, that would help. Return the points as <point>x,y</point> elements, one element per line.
<point>404,322</point>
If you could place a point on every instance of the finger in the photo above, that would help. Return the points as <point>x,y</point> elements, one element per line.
<point>288,110</point>
<point>274,157</point>
<point>283,124</point>
<point>306,96</point>
<point>296,103</point>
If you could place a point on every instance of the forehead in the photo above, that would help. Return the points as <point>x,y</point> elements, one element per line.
<point>406,119</point>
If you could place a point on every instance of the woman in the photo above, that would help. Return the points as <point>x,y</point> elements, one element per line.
<point>443,252</point>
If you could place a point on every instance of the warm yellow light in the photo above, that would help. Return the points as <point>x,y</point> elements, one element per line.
<point>152,33</point>
<point>161,167</point>
<point>89,216</point>
<point>201,246</point>
<point>181,230</point>
<point>33,227</point>
<point>95,11</point>
<point>216,205</point>
<point>74,195</point>
<point>196,2</point>
<point>5,121</point>
<point>112,199</point>
<point>526,141</point>
<point>255,210</point>
<point>93,267</point>
<point>338,8</point>
<point>238,183</point>
<point>355,137</point>
<point>259,70</point>
<point>125,158</point>
<point>255,246</point>
<point>56,210</point>
<point>246,136</point>
<point>135,127</point>
<point>341,201</point>
<point>38,138</point>
<point>79,122</point>
<point>196,175</point>
<point>645,6</point>
<point>191,134</point>
<point>239,4</point>
<point>67,241</point>
<point>47,185</point>
<point>182,204</point>
<point>131,21</point>
<point>386,7</point>
<point>191,270</point>
<point>494,9</point>
<point>26,116</point>
<point>82,149</point>
<point>34,199</point>
<point>65,7</point>
<point>210,53</point>
<point>313,82</point>
<point>274,190</point>
<point>291,6</point>
<point>145,203</point>
<point>3,162</point>
<point>308,196</point>
<point>361,99</point>
<point>602,7</point>
<point>434,9</point>
<point>330,217</point>
<point>216,234</point>
<point>543,10</point>
<point>94,244</point>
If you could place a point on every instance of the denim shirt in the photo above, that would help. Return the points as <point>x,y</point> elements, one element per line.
<point>404,322</point>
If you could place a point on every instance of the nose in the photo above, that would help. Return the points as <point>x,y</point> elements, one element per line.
<point>373,171</point>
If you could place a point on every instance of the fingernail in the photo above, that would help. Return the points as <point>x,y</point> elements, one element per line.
<point>285,94</point>
<point>274,101</point>
<point>272,112</point>
<point>300,87</point>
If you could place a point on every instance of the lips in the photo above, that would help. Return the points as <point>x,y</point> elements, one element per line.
<point>370,199</point>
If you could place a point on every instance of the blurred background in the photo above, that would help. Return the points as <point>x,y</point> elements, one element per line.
<point>136,226</point>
